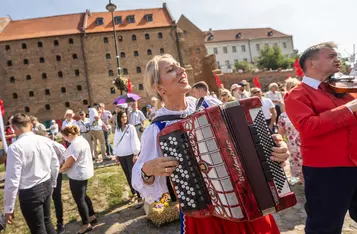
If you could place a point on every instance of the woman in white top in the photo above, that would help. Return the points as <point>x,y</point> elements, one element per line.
<point>67,122</point>
<point>165,78</point>
<point>126,146</point>
<point>276,97</point>
<point>78,166</point>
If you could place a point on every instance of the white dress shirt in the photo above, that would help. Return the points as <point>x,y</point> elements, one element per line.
<point>267,104</point>
<point>31,160</point>
<point>129,144</point>
<point>136,117</point>
<point>68,123</point>
<point>313,83</point>
<point>84,125</point>
<point>54,129</point>
<point>82,168</point>
<point>150,150</point>
<point>274,96</point>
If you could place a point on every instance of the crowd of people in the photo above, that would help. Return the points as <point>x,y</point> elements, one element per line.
<point>304,118</point>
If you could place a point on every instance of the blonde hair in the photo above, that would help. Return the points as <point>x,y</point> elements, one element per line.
<point>152,75</point>
<point>229,94</point>
<point>291,83</point>
<point>71,130</point>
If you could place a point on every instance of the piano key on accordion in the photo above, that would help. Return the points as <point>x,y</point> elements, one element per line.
<point>225,168</point>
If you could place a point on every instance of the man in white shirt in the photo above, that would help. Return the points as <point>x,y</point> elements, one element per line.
<point>268,107</point>
<point>84,126</point>
<point>37,127</point>
<point>32,169</point>
<point>137,119</point>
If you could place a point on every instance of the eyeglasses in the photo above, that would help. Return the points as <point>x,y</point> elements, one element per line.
<point>255,92</point>
<point>81,114</point>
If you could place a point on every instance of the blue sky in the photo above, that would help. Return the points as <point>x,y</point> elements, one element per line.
<point>309,21</point>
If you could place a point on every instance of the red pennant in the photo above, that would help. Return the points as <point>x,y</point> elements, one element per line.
<point>218,81</point>
<point>256,82</point>
<point>130,87</point>
<point>298,70</point>
<point>2,107</point>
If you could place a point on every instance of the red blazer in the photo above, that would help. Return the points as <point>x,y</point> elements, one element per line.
<point>328,129</point>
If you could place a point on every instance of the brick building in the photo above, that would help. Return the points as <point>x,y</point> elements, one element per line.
<point>50,64</point>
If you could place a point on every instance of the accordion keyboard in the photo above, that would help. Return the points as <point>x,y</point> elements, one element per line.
<point>265,140</point>
<point>186,179</point>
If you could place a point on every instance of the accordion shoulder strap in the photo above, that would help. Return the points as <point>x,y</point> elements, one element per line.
<point>167,118</point>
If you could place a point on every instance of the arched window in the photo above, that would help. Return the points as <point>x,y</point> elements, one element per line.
<point>85,102</point>
<point>76,72</point>
<point>27,109</point>
<point>47,92</point>
<point>136,53</point>
<point>24,46</point>
<point>105,40</point>
<point>120,38</point>
<point>159,35</point>
<point>7,47</point>
<point>149,52</point>
<point>39,44</point>
<point>44,76</point>
<point>125,71</point>
<point>58,58</point>
<point>47,107</point>
<point>9,63</point>
<point>63,89</point>
<point>147,36</point>
<point>42,60</point>
<point>107,56</point>
<point>74,56</point>
<point>66,104</point>
<point>70,41</point>
<point>162,51</point>
<point>12,79</point>
<point>14,95</point>
<point>79,87</point>
<point>26,61</point>
<point>110,73</point>
<point>133,37</point>
<point>55,43</point>
<point>28,77</point>
<point>31,94</point>
<point>122,55</point>
<point>60,74</point>
<point>138,69</point>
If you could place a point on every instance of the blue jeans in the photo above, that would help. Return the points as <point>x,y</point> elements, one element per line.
<point>108,147</point>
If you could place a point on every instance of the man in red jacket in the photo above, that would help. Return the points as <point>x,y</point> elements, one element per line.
<point>327,125</point>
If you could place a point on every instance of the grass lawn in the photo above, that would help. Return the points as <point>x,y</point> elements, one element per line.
<point>105,189</point>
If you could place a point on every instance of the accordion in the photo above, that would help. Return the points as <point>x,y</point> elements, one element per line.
<point>224,163</point>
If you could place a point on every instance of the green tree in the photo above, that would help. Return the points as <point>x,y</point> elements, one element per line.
<point>272,58</point>
<point>244,65</point>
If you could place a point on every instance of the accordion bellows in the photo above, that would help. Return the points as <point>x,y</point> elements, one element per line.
<point>225,168</point>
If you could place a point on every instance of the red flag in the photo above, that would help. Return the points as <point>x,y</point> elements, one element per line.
<point>218,81</point>
<point>130,87</point>
<point>2,110</point>
<point>298,70</point>
<point>256,82</point>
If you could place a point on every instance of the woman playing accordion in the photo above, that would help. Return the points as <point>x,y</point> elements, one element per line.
<point>165,78</point>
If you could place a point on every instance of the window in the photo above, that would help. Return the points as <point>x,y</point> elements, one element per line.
<point>159,35</point>
<point>99,21</point>
<point>76,72</point>
<point>238,35</point>
<point>185,32</point>
<point>122,55</point>
<point>149,52</point>
<point>24,46</point>
<point>26,61</point>
<point>27,109</point>
<point>198,51</point>
<point>12,79</point>
<point>138,69</point>
<point>47,107</point>
<point>39,44</point>
<point>162,51</point>
<point>141,87</point>
<point>55,42</point>
<point>74,56</point>
<point>9,63</point>
<point>79,87</point>
<point>28,77</point>
<point>270,33</point>
<point>120,38</point>
<point>85,102</point>
<point>42,60</point>
<point>118,20</point>
<point>47,92</point>
<point>31,94</point>
<point>147,36</point>
<point>107,56</point>
<point>66,104</point>
<point>284,45</point>
<point>235,61</point>
<point>60,74</point>
<point>7,47</point>
<point>136,53</point>
<point>275,44</point>
<point>243,48</point>
<point>215,50</point>
<point>44,76</point>
<point>266,45</point>
<point>210,37</point>
<point>70,41</point>
<point>227,63</point>
<point>234,49</point>
<point>133,37</point>
<point>125,71</point>
<point>131,18</point>
<point>110,73</point>
<point>105,39</point>
<point>14,95</point>
<point>112,90</point>
<point>246,60</point>
<point>58,58</point>
<point>149,18</point>
<point>218,65</point>
<point>257,46</point>
<point>63,89</point>
<point>225,50</point>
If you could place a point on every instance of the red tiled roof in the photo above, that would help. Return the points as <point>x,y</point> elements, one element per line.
<point>246,33</point>
<point>43,27</point>
<point>160,19</point>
